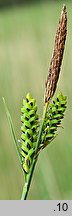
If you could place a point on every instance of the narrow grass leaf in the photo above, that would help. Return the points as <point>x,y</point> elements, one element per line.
<point>12,130</point>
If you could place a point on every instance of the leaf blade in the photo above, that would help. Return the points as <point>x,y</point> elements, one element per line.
<point>12,130</point>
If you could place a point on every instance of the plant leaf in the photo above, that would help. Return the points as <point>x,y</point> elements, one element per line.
<point>12,130</point>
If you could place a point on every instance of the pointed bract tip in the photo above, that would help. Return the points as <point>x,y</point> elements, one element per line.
<point>63,10</point>
<point>64,7</point>
<point>3,100</point>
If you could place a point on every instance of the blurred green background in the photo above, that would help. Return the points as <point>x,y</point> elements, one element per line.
<point>27,36</point>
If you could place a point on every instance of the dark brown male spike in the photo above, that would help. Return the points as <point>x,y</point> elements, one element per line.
<point>57,57</point>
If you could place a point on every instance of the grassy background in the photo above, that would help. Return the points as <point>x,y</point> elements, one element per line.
<point>26,43</point>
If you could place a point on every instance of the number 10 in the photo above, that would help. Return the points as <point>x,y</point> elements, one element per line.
<point>63,206</point>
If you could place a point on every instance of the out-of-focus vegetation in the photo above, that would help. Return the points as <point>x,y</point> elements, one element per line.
<point>6,3</point>
<point>26,43</point>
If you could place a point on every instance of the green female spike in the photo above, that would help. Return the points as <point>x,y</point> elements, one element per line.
<point>54,115</point>
<point>29,131</point>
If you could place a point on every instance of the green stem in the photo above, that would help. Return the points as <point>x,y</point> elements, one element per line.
<point>28,182</point>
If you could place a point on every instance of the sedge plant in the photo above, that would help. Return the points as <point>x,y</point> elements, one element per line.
<point>37,134</point>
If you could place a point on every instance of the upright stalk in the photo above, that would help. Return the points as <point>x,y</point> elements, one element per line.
<point>28,181</point>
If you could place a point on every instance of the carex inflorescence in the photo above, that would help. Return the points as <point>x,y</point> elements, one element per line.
<point>53,112</point>
<point>38,132</point>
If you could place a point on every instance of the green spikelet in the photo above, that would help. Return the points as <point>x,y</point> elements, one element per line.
<point>53,119</point>
<point>29,127</point>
